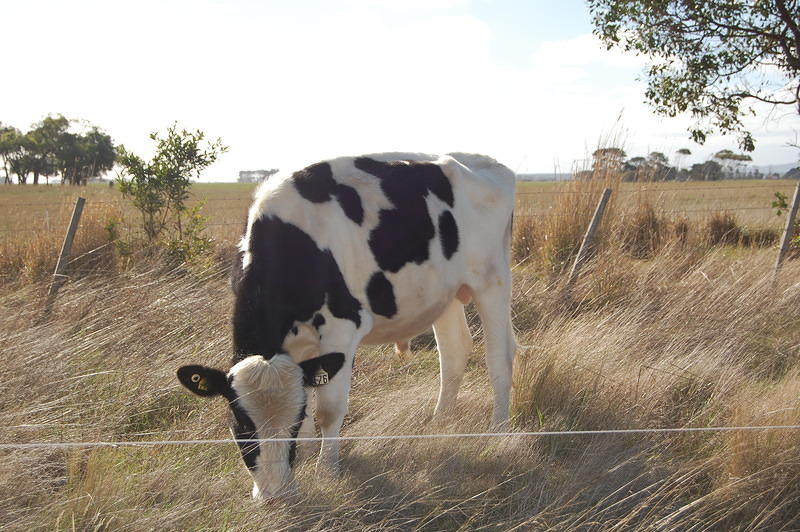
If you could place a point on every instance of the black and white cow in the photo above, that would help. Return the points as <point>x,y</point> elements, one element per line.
<point>371,250</point>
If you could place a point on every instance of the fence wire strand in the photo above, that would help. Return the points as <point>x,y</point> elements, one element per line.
<point>395,437</point>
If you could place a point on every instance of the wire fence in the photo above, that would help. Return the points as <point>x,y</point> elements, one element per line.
<point>396,437</point>
<point>685,187</point>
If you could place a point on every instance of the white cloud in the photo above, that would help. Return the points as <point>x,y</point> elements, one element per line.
<point>583,51</point>
<point>283,91</point>
<point>406,5</point>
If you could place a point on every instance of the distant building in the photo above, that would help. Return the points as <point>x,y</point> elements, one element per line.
<point>255,176</point>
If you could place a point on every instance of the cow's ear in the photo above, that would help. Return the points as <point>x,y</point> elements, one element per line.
<point>203,381</point>
<point>318,371</point>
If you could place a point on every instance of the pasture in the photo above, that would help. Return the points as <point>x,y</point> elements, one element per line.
<point>674,323</point>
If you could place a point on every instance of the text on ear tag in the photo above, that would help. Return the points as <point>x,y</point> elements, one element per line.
<point>321,377</point>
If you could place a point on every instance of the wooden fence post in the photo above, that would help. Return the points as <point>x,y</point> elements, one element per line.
<point>63,258</point>
<point>588,237</point>
<point>787,232</point>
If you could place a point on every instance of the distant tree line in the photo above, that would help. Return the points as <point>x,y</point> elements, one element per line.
<point>74,150</point>
<point>725,164</point>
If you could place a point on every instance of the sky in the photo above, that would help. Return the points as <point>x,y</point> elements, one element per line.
<point>288,83</point>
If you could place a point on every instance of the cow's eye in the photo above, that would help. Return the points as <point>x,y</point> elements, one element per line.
<point>196,377</point>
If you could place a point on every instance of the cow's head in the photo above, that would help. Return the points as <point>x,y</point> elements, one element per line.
<point>267,400</point>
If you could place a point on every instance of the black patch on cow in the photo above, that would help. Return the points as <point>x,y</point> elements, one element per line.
<point>243,429</point>
<point>331,363</point>
<point>350,202</point>
<point>448,234</point>
<point>404,232</point>
<point>319,321</point>
<point>288,280</point>
<point>381,295</point>
<point>236,271</point>
<point>316,184</point>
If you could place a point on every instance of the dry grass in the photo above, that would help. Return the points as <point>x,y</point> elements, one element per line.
<point>549,221</point>
<point>552,239</point>
<point>639,221</point>
<point>31,256</point>
<point>668,327</point>
<point>674,341</point>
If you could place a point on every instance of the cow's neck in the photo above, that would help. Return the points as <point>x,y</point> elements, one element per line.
<point>259,327</point>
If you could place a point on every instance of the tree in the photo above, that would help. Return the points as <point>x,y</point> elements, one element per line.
<point>44,138</point>
<point>5,148</point>
<point>634,163</point>
<point>656,158</point>
<point>659,168</point>
<point>608,159</point>
<point>711,58</point>
<point>80,157</point>
<point>680,156</point>
<point>732,163</point>
<point>50,148</point>
<point>159,188</point>
<point>707,171</point>
<point>96,155</point>
<point>15,150</point>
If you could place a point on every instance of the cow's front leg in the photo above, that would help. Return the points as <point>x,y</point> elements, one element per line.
<point>307,428</point>
<point>331,408</point>
<point>336,336</point>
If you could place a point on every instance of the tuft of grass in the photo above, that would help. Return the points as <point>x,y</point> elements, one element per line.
<point>723,229</point>
<point>642,233</point>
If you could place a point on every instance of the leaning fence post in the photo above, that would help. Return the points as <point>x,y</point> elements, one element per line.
<point>787,232</point>
<point>66,248</point>
<point>589,236</point>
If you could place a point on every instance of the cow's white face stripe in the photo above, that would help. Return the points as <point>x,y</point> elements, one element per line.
<point>271,393</point>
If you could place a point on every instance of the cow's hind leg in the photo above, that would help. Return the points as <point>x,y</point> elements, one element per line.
<point>494,308</point>
<point>454,343</point>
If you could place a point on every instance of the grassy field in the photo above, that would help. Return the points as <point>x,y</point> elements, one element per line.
<point>33,219</point>
<point>31,208</point>
<point>673,324</point>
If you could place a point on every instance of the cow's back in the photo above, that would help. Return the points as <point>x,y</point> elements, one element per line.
<point>406,230</point>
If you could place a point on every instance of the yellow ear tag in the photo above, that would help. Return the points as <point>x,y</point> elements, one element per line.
<point>321,377</point>
<point>200,381</point>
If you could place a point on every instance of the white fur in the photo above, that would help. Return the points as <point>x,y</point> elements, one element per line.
<point>271,392</point>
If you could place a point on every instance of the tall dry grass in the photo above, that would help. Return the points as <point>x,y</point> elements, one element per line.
<point>674,323</point>
<point>31,255</point>
<point>676,340</point>
<point>635,223</point>
<point>552,239</point>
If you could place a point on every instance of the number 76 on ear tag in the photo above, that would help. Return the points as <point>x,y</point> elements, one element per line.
<point>321,377</point>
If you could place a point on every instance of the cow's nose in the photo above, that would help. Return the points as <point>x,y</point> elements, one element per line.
<point>287,494</point>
